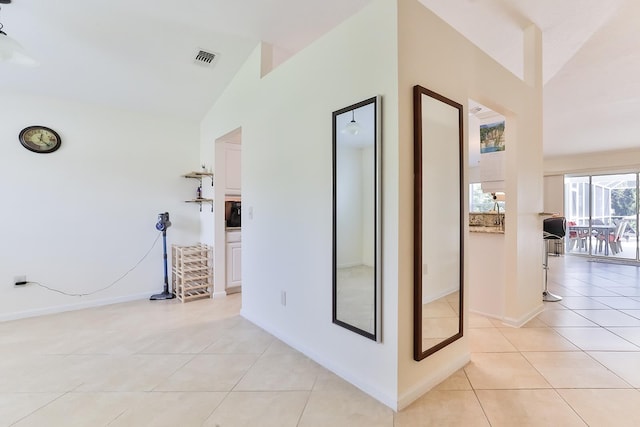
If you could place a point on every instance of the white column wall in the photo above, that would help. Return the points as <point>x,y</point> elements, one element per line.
<point>287,182</point>
<point>286,127</point>
<point>434,55</point>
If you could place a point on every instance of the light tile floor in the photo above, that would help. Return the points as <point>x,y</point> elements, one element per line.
<point>200,364</point>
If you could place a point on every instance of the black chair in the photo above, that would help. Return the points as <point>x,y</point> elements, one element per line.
<point>554,228</point>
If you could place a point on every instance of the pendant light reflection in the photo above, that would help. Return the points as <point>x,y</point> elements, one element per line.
<point>11,51</point>
<point>352,127</point>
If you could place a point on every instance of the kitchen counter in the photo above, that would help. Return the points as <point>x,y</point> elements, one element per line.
<point>486,222</point>
<point>486,229</point>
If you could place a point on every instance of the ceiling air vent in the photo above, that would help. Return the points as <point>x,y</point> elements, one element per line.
<point>205,59</point>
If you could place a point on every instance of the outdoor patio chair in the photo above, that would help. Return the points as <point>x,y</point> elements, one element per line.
<point>613,239</point>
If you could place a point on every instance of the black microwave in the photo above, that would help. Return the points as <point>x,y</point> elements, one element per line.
<point>233,213</point>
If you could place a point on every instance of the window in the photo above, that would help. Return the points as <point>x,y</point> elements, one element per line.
<point>602,215</point>
<point>482,202</point>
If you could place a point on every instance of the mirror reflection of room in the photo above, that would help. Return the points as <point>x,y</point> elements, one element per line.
<point>438,280</point>
<point>440,319</point>
<point>487,150</point>
<point>355,218</point>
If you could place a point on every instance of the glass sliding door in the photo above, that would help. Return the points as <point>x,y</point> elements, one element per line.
<point>602,215</point>
<point>577,202</point>
<point>613,210</point>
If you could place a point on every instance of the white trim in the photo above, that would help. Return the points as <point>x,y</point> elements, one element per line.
<point>342,372</point>
<point>72,307</point>
<point>516,323</point>
<point>511,322</point>
<point>430,382</point>
<point>482,313</point>
<point>220,294</point>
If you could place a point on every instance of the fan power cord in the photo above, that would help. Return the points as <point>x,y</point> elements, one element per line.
<point>106,287</point>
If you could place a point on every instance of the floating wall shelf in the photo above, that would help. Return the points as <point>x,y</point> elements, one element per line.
<point>199,176</point>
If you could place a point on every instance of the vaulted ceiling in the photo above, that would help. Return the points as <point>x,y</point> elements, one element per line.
<point>139,54</point>
<point>591,63</point>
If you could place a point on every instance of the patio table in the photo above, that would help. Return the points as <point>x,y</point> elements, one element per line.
<point>604,230</point>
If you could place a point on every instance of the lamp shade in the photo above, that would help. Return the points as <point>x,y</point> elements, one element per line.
<point>352,127</point>
<point>11,51</point>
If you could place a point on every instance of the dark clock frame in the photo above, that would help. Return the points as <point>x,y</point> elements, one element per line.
<point>35,148</point>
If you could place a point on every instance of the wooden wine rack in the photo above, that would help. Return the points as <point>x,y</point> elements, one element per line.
<point>192,271</point>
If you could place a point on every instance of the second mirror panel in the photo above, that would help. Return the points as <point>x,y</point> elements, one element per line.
<point>356,218</point>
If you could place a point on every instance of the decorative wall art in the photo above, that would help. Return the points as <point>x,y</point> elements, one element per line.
<point>492,137</point>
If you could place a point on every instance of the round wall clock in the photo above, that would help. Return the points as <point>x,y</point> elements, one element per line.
<point>40,139</point>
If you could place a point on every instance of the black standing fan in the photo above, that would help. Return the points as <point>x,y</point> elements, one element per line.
<point>162,225</point>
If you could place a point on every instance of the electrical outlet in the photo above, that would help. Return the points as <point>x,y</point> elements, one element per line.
<point>20,280</point>
<point>283,298</point>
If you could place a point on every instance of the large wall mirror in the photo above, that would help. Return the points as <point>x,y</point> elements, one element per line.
<point>438,227</point>
<point>357,218</point>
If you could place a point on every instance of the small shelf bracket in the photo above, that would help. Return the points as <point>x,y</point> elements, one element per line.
<point>199,176</point>
<point>200,202</point>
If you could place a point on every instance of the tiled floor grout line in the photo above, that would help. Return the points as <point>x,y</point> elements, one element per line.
<point>39,408</point>
<point>475,393</point>
<point>245,373</point>
<point>575,411</point>
<point>193,356</point>
<point>306,403</point>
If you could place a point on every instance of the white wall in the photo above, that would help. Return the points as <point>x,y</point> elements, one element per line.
<point>79,218</point>
<point>287,182</point>
<point>554,194</point>
<point>619,161</point>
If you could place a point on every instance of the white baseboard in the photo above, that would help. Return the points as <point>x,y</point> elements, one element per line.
<point>220,294</point>
<point>71,307</point>
<point>343,373</point>
<point>430,382</point>
<point>522,320</point>
<point>515,323</point>
<point>482,313</point>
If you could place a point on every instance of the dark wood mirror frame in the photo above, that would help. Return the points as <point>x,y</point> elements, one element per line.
<point>372,130</point>
<point>418,93</point>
